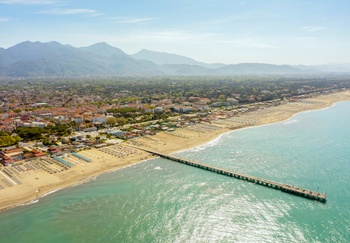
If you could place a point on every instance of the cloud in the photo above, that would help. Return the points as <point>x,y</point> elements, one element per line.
<point>132,20</point>
<point>28,2</point>
<point>69,11</point>
<point>310,28</point>
<point>2,19</point>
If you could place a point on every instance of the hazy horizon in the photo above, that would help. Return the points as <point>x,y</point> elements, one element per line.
<point>229,32</point>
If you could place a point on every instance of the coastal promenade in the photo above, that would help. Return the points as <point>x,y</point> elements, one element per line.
<point>271,184</point>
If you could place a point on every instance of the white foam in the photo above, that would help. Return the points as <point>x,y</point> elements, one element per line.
<point>50,192</point>
<point>290,121</point>
<point>211,143</point>
<point>30,202</point>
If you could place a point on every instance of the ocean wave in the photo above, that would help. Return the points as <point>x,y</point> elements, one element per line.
<point>211,143</point>
<point>30,202</point>
<point>290,121</point>
<point>50,192</point>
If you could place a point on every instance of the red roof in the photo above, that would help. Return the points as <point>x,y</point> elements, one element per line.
<point>39,154</point>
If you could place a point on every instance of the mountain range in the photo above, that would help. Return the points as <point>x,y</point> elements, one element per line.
<point>52,59</point>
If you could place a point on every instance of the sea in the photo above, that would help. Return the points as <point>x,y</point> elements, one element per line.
<point>164,201</point>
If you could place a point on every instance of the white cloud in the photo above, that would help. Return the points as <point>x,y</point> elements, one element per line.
<point>132,20</point>
<point>2,19</point>
<point>28,2</point>
<point>69,11</point>
<point>310,28</point>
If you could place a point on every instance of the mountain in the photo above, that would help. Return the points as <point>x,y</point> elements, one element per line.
<point>32,59</point>
<point>52,59</point>
<point>329,68</point>
<point>161,58</point>
<point>36,50</point>
<point>183,69</point>
<point>258,68</point>
<point>103,49</point>
<point>3,58</point>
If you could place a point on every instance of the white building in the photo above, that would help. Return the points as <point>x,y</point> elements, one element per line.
<point>99,118</point>
<point>38,124</point>
<point>232,101</point>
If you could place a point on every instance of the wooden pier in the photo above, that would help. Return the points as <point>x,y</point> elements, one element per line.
<point>271,184</point>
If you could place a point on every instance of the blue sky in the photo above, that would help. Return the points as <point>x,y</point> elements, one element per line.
<point>227,31</point>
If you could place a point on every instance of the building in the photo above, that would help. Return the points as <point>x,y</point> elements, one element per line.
<point>115,132</point>
<point>77,118</point>
<point>90,129</point>
<point>37,153</point>
<point>11,155</point>
<point>39,104</point>
<point>158,110</point>
<point>232,101</point>
<point>46,115</point>
<point>24,116</point>
<point>38,124</point>
<point>181,109</point>
<point>220,104</point>
<point>99,118</point>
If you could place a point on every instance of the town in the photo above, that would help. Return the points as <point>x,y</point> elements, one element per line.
<point>50,117</point>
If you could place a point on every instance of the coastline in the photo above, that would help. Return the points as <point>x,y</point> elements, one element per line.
<point>38,184</point>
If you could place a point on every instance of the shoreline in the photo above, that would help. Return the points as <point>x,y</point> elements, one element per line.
<point>38,184</point>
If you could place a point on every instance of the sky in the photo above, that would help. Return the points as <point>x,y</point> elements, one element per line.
<point>308,32</point>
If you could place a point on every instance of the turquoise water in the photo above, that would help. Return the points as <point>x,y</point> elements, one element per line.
<point>163,201</point>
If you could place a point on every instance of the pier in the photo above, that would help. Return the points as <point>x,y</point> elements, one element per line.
<point>267,183</point>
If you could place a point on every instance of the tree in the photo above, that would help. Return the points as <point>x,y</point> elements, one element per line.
<point>111,121</point>
<point>121,121</point>
<point>8,140</point>
<point>222,98</point>
<point>29,133</point>
<point>17,110</point>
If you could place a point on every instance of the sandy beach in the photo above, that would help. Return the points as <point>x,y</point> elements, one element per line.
<point>32,180</point>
